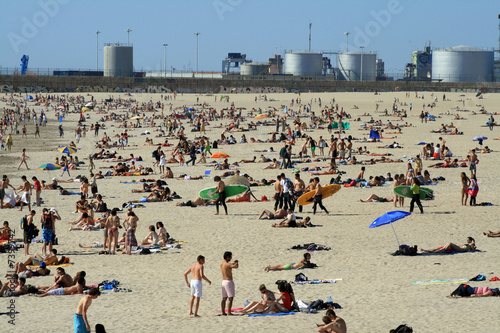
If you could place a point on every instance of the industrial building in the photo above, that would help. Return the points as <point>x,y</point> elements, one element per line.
<point>303,63</point>
<point>357,66</point>
<point>118,60</point>
<point>462,64</point>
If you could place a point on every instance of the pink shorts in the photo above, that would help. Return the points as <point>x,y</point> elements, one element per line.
<point>228,288</point>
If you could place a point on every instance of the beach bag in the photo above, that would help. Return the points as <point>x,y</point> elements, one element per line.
<point>402,329</point>
<point>145,251</point>
<point>300,277</point>
<point>317,305</point>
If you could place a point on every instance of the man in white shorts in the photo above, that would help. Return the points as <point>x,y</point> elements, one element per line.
<point>228,289</point>
<point>196,286</point>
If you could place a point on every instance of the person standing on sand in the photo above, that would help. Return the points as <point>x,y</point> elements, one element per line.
<point>131,240</point>
<point>112,224</point>
<point>415,188</point>
<point>465,188</point>
<point>4,183</point>
<point>222,195</point>
<point>26,189</point>
<point>38,190</point>
<point>81,323</point>
<point>197,275</point>
<point>472,162</point>
<point>23,160</point>
<point>228,290</point>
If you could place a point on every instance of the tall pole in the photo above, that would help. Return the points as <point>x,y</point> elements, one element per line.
<point>97,51</point>
<point>128,36</point>
<point>361,47</point>
<point>310,25</point>
<point>197,34</point>
<point>165,45</point>
<point>347,33</point>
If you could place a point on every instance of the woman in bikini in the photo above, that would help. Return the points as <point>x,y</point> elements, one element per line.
<point>468,247</point>
<point>410,174</point>
<point>465,186</point>
<point>151,239</point>
<point>162,234</point>
<point>303,263</point>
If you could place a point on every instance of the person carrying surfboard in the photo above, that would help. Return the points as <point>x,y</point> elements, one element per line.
<point>318,197</point>
<point>222,195</point>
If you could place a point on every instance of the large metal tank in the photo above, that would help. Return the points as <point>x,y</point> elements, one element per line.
<point>254,68</point>
<point>303,63</point>
<point>118,60</point>
<point>462,64</point>
<point>351,68</point>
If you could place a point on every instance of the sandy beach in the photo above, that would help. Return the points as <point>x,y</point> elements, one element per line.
<point>376,292</point>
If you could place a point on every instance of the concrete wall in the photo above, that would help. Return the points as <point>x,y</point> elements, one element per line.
<point>264,84</point>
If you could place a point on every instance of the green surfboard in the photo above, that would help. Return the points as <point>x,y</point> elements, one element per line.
<point>405,191</point>
<point>230,190</point>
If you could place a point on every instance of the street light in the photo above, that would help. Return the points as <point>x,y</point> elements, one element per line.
<point>97,51</point>
<point>128,36</point>
<point>165,45</point>
<point>172,69</point>
<point>347,33</point>
<point>361,47</point>
<point>197,34</point>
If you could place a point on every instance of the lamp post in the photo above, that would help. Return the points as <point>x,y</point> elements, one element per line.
<point>361,47</point>
<point>196,34</point>
<point>128,35</point>
<point>165,45</point>
<point>172,69</point>
<point>97,51</point>
<point>347,33</point>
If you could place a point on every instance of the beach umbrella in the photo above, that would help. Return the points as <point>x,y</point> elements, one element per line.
<point>480,139</point>
<point>237,180</point>
<point>85,109</point>
<point>261,116</point>
<point>67,150</point>
<point>190,109</point>
<point>29,97</point>
<point>388,218</point>
<point>49,166</point>
<point>136,117</point>
<point>220,155</point>
<point>89,105</point>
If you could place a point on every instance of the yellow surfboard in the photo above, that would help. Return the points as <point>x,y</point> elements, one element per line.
<point>326,191</point>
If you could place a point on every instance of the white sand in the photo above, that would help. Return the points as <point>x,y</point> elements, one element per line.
<point>376,292</point>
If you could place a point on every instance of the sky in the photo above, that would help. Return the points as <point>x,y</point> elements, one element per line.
<point>62,33</point>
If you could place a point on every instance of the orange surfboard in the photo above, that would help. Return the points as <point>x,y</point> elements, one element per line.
<point>326,191</point>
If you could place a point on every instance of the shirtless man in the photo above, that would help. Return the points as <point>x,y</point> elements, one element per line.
<point>23,160</point>
<point>76,289</point>
<point>4,183</point>
<point>278,192</point>
<point>61,280</point>
<point>26,189</point>
<point>112,224</point>
<point>278,214</point>
<point>318,197</point>
<point>196,286</point>
<point>81,323</point>
<point>227,282</point>
<point>342,147</point>
<point>336,324</point>
<point>472,162</point>
<point>299,187</point>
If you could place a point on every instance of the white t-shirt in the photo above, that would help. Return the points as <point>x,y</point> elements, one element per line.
<point>286,189</point>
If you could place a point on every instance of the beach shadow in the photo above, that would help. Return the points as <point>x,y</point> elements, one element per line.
<point>442,212</point>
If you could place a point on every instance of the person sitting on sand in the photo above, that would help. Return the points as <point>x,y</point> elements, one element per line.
<point>469,247</point>
<point>332,323</point>
<point>163,235</point>
<point>286,302</point>
<point>168,173</point>
<point>465,290</point>
<point>256,307</point>
<point>61,280</point>
<point>82,205</point>
<point>274,165</point>
<point>304,263</point>
<point>151,239</point>
<point>376,198</point>
<point>76,289</point>
<point>84,222</point>
<point>278,214</point>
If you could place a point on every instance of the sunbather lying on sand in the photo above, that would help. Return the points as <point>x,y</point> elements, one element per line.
<point>470,246</point>
<point>465,290</point>
<point>304,263</point>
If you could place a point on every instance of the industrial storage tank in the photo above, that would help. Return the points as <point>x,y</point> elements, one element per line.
<point>462,64</point>
<point>254,68</point>
<point>303,63</point>
<point>351,68</point>
<point>118,60</point>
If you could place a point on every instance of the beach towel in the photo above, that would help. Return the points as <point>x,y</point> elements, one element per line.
<point>270,314</point>
<point>60,265</point>
<point>428,282</point>
<point>320,281</point>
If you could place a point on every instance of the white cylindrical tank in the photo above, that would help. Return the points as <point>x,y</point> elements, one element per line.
<point>118,60</point>
<point>303,63</point>
<point>254,68</point>
<point>351,68</point>
<point>462,64</point>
